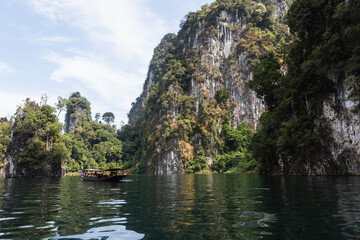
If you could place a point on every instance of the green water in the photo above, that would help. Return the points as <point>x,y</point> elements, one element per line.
<point>181,207</point>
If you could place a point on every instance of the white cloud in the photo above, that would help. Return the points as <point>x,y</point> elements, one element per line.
<point>9,101</point>
<point>110,84</point>
<point>5,68</point>
<point>56,39</point>
<point>119,34</point>
<point>126,28</point>
<point>47,7</point>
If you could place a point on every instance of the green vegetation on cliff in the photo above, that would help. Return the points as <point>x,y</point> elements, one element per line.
<point>37,147</point>
<point>36,143</point>
<point>5,133</point>
<point>91,144</point>
<point>77,108</point>
<point>263,31</point>
<point>168,118</point>
<point>324,55</point>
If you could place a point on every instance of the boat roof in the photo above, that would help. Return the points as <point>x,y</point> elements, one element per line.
<point>102,170</point>
<point>114,169</point>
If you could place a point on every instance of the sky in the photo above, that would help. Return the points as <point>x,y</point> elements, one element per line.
<point>100,48</point>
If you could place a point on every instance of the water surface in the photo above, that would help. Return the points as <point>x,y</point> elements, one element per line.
<point>214,206</point>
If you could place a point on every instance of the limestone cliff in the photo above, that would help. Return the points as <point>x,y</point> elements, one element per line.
<point>340,152</point>
<point>312,123</point>
<point>199,78</point>
<point>77,108</point>
<point>47,167</point>
<point>35,148</point>
<point>338,114</point>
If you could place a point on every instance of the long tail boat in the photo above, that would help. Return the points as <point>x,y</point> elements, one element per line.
<point>104,175</point>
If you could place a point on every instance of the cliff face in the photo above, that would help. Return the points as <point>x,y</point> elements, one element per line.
<point>224,66</point>
<point>49,166</point>
<point>312,126</point>
<point>5,130</point>
<point>198,81</point>
<point>153,76</point>
<point>342,155</point>
<point>78,107</point>
<point>35,148</point>
<point>341,142</point>
<point>338,114</point>
<point>2,173</point>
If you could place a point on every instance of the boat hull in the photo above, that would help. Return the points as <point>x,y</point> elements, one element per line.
<point>109,179</point>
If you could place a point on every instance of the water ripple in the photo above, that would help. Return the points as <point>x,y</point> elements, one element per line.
<point>112,202</point>
<point>112,232</point>
<point>210,206</point>
<point>6,219</point>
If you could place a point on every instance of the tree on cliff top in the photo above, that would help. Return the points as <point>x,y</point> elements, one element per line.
<point>108,117</point>
<point>97,116</point>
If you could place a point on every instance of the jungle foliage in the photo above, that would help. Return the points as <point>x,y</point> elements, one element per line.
<point>324,55</point>
<point>36,138</point>
<point>5,133</point>
<point>91,144</point>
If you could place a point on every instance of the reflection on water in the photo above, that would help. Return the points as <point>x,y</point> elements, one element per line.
<point>181,207</point>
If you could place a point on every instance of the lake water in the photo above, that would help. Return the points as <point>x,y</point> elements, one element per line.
<point>214,206</point>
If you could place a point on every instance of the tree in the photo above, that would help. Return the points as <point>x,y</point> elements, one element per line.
<point>61,105</point>
<point>267,79</point>
<point>108,117</point>
<point>97,116</point>
<point>44,99</point>
<point>221,96</point>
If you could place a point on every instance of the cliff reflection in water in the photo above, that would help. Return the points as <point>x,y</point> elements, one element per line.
<point>199,206</point>
<point>314,207</point>
<point>181,207</point>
